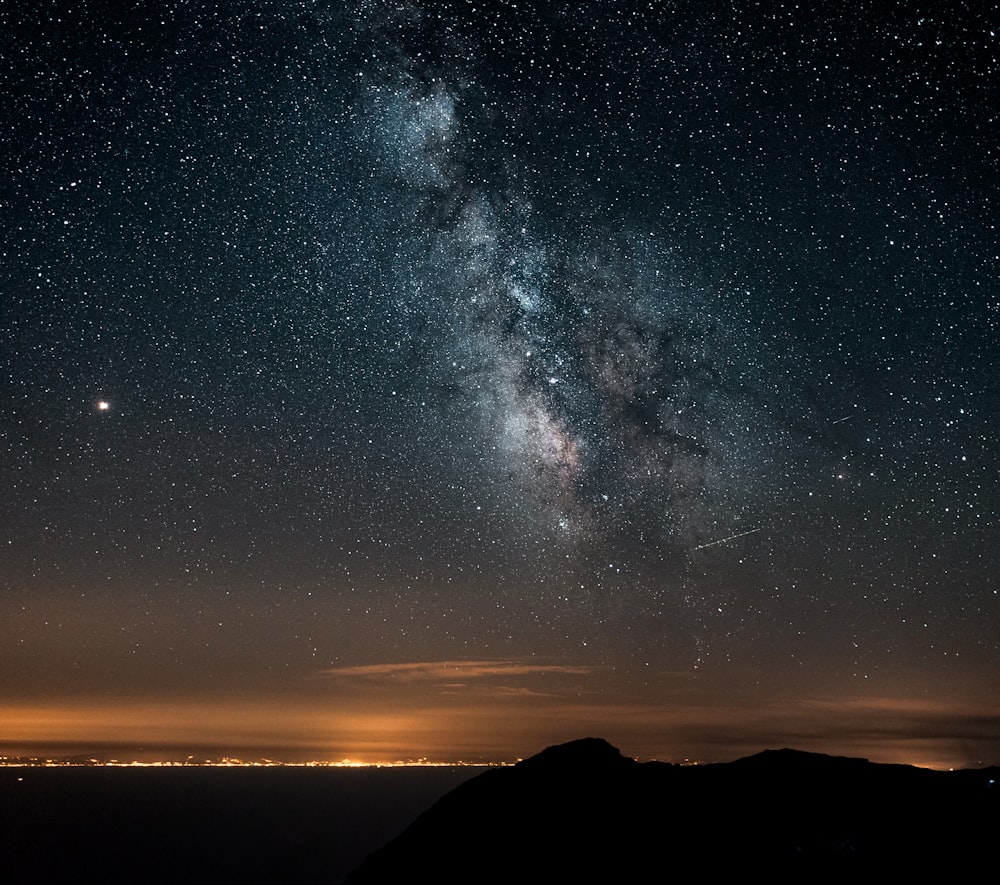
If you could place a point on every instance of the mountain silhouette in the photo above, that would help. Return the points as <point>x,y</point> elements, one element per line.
<point>582,812</point>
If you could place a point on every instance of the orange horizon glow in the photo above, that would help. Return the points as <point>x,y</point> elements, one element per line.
<point>469,728</point>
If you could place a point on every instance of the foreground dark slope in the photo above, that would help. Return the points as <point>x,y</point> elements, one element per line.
<point>581,812</point>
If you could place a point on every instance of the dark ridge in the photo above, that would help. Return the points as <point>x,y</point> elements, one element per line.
<point>582,812</point>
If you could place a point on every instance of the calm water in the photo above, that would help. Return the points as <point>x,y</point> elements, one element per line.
<point>205,824</point>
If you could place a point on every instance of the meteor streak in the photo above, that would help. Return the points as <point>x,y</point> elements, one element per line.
<point>723,540</point>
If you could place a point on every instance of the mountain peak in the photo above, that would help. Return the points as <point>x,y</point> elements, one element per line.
<point>583,755</point>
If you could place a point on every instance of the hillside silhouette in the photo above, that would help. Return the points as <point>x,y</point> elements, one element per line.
<point>582,812</point>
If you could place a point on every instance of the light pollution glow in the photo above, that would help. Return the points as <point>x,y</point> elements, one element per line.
<point>480,711</point>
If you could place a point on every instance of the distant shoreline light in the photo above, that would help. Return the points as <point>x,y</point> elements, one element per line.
<point>32,762</point>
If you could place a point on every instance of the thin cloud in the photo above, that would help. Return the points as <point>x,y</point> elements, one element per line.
<point>453,672</point>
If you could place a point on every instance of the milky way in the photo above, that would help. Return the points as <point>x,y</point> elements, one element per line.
<point>626,396</point>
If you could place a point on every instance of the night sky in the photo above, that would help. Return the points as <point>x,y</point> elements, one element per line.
<point>450,379</point>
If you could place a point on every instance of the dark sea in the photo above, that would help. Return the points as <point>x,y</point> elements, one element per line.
<point>240,825</point>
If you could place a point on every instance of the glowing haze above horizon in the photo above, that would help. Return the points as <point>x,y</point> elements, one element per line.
<point>390,380</point>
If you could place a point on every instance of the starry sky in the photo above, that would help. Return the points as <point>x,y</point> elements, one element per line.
<point>448,379</point>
